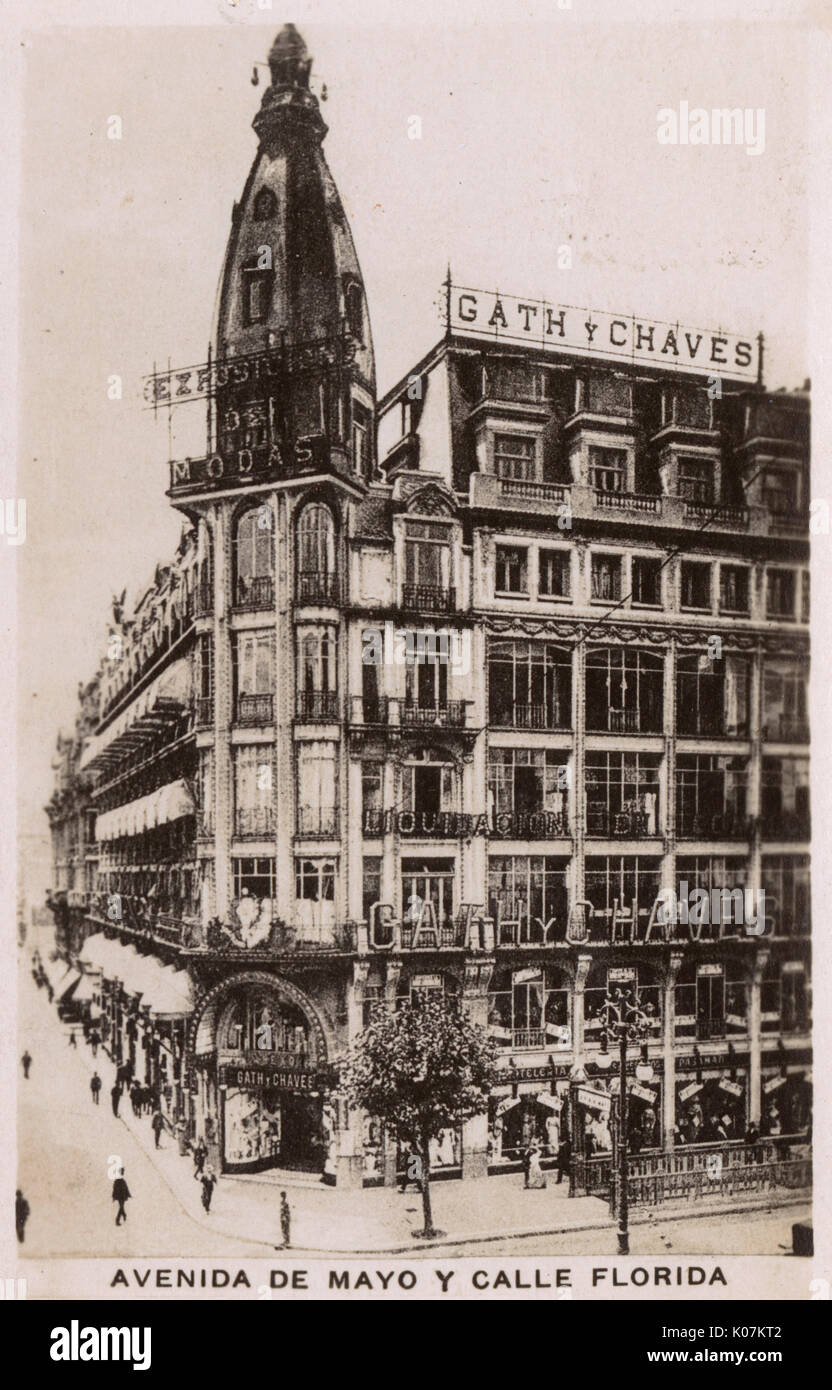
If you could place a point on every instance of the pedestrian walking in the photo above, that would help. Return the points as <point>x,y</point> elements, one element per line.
<point>72,1041</point>
<point>285,1221</point>
<point>21,1214</point>
<point>157,1124</point>
<point>121,1194</point>
<point>115,1097</point>
<point>26,1061</point>
<point>564,1158</point>
<point>94,1041</point>
<point>209,1182</point>
<point>136,1098</point>
<point>527,1158</point>
<point>95,1087</point>
<point>200,1155</point>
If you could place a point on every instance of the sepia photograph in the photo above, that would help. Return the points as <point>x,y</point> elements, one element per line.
<point>410,525</point>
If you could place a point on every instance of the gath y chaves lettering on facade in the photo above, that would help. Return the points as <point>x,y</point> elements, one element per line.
<point>292,832</point>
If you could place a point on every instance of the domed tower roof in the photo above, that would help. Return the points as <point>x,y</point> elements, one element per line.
<point>291,273</point>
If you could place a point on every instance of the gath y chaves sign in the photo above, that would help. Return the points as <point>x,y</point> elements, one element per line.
<point>503,318</point>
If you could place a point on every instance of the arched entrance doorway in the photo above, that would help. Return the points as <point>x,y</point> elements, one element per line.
<point>262,1053</point>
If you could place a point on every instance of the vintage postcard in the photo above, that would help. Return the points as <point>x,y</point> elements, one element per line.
<point>413,528</point>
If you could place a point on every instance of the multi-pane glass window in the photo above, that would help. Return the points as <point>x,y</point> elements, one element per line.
<point>527,782</point>
<point>712,1000</point>
<point>779,491</point>
<point>606,576</point>
<point>529,685</point>
<point>727,910</point>
<point>527,897</point>
<point>712,694</point>
<point>624,690</point>
<point>372,783</point>
<point>316,553</point>
<point>780,593</point>
<point>733,589</point>
<point>257,876</point>
<point>204,678</point>
<point>370,884</point>
<point>646,586</point>
<point>253,789</point>
<point>529,1008</point>
<point>254,676</point>
<point>428,897</point>
<point>427,555</point>
<point>426,680</point>
<point>254,557</point>
<point>785,798</point>
<point>553,573</point>
<point>427,788</point>
<point>786,886</point>
<point>696,584</point>
<point>316,789</point>
<point>514,456</point>
<point>710,795</point>
<point>622,794</point>
<point>603,980</point>
<point>785,701</point>
<point>511,571</point>
<point>205,791</point>
<point>784,997</point>
<point>696,480</point>
<point>317,674</point>
<point>608,469</point>
<point>623,881</point>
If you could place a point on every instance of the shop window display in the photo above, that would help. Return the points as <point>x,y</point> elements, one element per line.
<point>514,1122</point>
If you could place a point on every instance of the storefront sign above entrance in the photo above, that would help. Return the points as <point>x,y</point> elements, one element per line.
<point>550,327</point>
<point>270,1078</point>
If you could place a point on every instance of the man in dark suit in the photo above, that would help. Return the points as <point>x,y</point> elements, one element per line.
<point>564,1158</point>
<point>121,1194</point>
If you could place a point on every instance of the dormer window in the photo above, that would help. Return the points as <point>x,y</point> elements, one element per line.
<point>608,469</point>
<point>265,205</point>
<point>354,302</point>
<point>696,480</point>
<point>514,456</point>
<point>257,294</point>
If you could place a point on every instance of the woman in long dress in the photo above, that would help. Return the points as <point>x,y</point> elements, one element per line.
<point>537,1177</point>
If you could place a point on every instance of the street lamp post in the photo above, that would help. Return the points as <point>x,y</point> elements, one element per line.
<point>624,1020</point>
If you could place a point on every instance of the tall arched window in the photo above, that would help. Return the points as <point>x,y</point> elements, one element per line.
<point>317,677</point>
<point>254,558</point>
<point>354,301</point>
<point>316,574</point>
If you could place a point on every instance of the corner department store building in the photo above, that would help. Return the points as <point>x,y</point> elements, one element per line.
<point>278,808</point>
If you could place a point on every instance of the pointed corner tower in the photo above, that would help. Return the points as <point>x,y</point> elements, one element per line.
<point>294,370</point>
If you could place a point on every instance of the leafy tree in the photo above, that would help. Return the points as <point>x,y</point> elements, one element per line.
<point>419,1070</point>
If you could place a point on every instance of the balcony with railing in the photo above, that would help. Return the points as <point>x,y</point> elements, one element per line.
<point>255,592</point>
<point>317,586</point>
<point>639,503</point>
<point>428,598</point>
<point>449,714</point>
<point>550,716</point>
<point>712,825</point>
<point>785,729</point>
<point>628,824</point>
<point>316,706</point>
<point>629,721</point>
<point>255,709</point>
<point>253,822</point>
<point>786,825</point>
<point>708,1028</point>
<point>317,822</point>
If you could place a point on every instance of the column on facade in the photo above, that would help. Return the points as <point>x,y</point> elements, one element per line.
<point>351,1126</point>
<point>755,1035</point>
<point>582,968</point>
<point>671,974</point>
<point>285,798</point>
<point>755,772</point>
<point>668,790</point>
<point>475,1131</point>
<point>223,712</point>
<point>577,792</point>
<point>391,991</point>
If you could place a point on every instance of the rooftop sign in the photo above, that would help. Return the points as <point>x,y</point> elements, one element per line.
<point>502,318</point>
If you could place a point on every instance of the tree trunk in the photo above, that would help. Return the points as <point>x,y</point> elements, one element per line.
<point>429,1231</point>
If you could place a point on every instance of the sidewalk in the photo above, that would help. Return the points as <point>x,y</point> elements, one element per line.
<point>374,1221</point>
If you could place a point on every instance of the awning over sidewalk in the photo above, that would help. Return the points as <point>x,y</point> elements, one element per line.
<point>159,704</point>
<point>166,991</point>
<point>67,984</point>
<point>159,807</point>
<point>56,972</point>
<point>85,992</point>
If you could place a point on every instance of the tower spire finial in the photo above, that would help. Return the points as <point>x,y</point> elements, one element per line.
<point>288,99</point>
